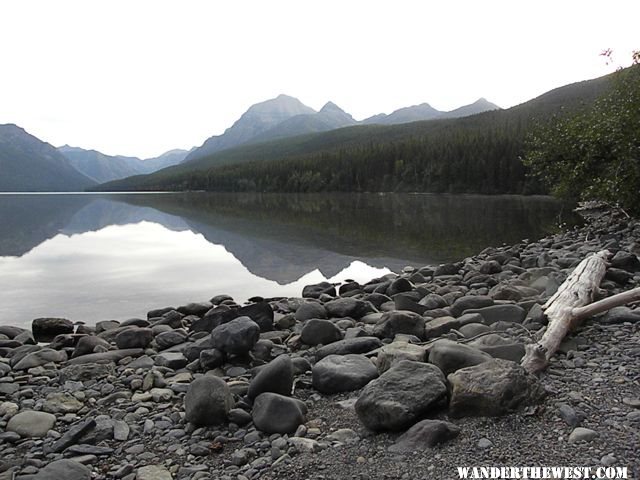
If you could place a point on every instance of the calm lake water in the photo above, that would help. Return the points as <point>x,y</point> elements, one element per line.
<point>93,257</point>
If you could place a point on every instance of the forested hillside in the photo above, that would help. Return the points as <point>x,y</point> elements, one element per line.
<point>479,154</point>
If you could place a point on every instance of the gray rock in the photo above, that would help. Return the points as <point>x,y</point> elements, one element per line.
<point>45,329</point>
<point>473,329</point>
<point>395,322</point>
<point>173,360</point>
<point>64,469</point>
<point>196,308</point>
<point>492,388</point>
<point>568,415</point>
<point>484,443</point>
<point>274,413</point>
<point>87,344</point>
<point>450,356</point>
<point>447,269</point>
<point>343,373</point>
<point>10,331</point>
<point>30,423</point>
<point>309,310</point>
<point>134,337</point>
<point>393,353</point>
<point>145,362</point>
<point>626,261</point>
<point>405,302</point>
<point>347,307</point>
<point>110,356</point>
<point>84,372</point>
<point>276,376</point>
<point>470,302</point>
<point>400,396</point>
<point>500,313</point>
<point>343,435</point>
<point>581,434</point>
<point>237,337</point>
<point>207,401</point>
<point>439,326</point>
<point>153,472</point>
<point>73,435</point>
<point>433,301</point>
<point>509,351</point>
<point>171,338</point>
<point>41,357</point>
<point>318,289</point>
<point>211,358</point>
<point>61,402</point>
<point>350,345</point>
<point>316,332</point>
<point>423,435</point>
<point>239,416</point>
<point>618,315</point>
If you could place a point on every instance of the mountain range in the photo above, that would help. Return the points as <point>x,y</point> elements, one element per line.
<point>286,116</point>
<point>104,168</point>
<point>29,164</point>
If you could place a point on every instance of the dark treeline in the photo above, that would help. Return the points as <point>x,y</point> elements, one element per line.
<point>460,160</point>
<point>477,154</point>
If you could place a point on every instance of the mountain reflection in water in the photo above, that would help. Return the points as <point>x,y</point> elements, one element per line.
<point>93,257</point>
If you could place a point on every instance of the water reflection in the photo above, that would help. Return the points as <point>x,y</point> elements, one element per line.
<point>92,257</point>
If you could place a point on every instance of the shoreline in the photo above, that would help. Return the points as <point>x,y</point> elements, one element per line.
<point>131,399</point>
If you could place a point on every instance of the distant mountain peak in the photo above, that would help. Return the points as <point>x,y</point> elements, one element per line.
<point>331,107</point>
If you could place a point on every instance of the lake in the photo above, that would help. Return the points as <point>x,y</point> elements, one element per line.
<point>91,257</point>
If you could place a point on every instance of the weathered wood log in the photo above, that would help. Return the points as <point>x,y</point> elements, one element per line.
<point>565,309</point>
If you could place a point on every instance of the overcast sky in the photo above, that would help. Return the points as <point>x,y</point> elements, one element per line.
<point>138,78</point>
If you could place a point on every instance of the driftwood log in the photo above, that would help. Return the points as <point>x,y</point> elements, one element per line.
<point>570,305</point>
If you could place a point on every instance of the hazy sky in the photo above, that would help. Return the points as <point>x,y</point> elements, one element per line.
<point>141,77</point>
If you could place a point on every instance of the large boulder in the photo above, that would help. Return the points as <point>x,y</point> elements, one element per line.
<point>30,423</point>
<point>208,401</point>
<point>276,377</point>
<point>399,321</point>
<point>400,396</point>
<point>274,413</point>
<point>237,337</point>
<point>492,388</point>
<point>45,329</point>
<point>320,332</point>
<point>343,373</point>
<point>424,435</point>
<point>450,356</point>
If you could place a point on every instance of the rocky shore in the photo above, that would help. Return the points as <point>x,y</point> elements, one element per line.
<point>406,377</point>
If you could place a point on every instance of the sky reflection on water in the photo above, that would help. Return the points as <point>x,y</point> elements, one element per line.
<point>97,257</point>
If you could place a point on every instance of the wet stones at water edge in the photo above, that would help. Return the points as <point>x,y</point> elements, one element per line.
<point>214,389</point>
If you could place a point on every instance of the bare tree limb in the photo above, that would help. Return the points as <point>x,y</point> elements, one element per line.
<point>562,308</point>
